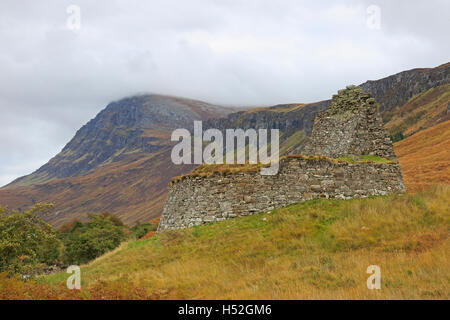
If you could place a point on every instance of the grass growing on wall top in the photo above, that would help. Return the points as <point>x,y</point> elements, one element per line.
<point>208,170</point>
<point>365,159</point>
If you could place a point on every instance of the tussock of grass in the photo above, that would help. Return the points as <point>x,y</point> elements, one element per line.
<point>207,170</point>
<point>316,249</point>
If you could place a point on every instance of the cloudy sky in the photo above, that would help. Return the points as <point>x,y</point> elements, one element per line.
<point>56,74</point>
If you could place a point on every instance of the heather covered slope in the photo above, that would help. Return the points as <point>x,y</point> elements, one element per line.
<point>421,111</point>
<point>318,249</point>
<point>425,157</point>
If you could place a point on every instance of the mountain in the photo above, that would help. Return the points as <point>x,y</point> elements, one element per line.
<point>120,161</point>
<point>394,91</point>
<point>124,131</point>
<point>294,121</point>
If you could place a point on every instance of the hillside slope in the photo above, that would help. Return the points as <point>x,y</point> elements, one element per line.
<point>318,249</point>
<point>134,191</point>
<point>425,157</point>
<point>420,112</point>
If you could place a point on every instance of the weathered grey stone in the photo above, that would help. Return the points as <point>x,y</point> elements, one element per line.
<point>350,126</point>
<point>293,179</point>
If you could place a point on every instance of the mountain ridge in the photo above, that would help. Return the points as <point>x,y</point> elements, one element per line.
<point>133,124</point>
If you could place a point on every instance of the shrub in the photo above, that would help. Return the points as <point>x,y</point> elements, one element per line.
<point>141,229</point>
<point>27,243</point>
<point>87,241</point>
<point>114,219</point>
<point>69,226</point>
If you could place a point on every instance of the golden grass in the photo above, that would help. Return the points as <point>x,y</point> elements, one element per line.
<point>425,157</point>
<point>208,170</point>
<point>318,249</point>
<point>287,108</point>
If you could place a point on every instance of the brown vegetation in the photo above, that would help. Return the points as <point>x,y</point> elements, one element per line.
<point>425,157</point>
<point>420,112</point>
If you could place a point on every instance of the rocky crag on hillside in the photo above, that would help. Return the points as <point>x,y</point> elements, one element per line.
<point>350,128</point>
<point>295,121</point>
<point>125,128</point>
<point>394,91</point>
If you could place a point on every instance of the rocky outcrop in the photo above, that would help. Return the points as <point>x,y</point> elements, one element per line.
<point>396,90</point>
<point>198,200</point>
<point>288,118</point>
<point>351,126</point>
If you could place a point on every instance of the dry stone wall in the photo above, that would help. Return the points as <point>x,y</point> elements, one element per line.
<point>198,200</point>
<point>351,126</point>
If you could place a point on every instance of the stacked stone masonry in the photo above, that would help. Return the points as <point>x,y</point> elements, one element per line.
<point>198,200</point>
<point>351,126</point>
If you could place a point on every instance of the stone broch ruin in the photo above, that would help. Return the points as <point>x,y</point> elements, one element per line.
<point>350,126</point>
<point>329,168</point>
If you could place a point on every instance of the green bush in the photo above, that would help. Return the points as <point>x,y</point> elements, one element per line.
<point>27,243</point>
<point>141,229</point>
<point>87,241</point>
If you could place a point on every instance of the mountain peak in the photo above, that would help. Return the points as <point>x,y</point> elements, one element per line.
<point>133,125</point>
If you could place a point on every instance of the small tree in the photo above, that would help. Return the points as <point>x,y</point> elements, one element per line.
<point>27,243</point>
<point>92,239</point>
